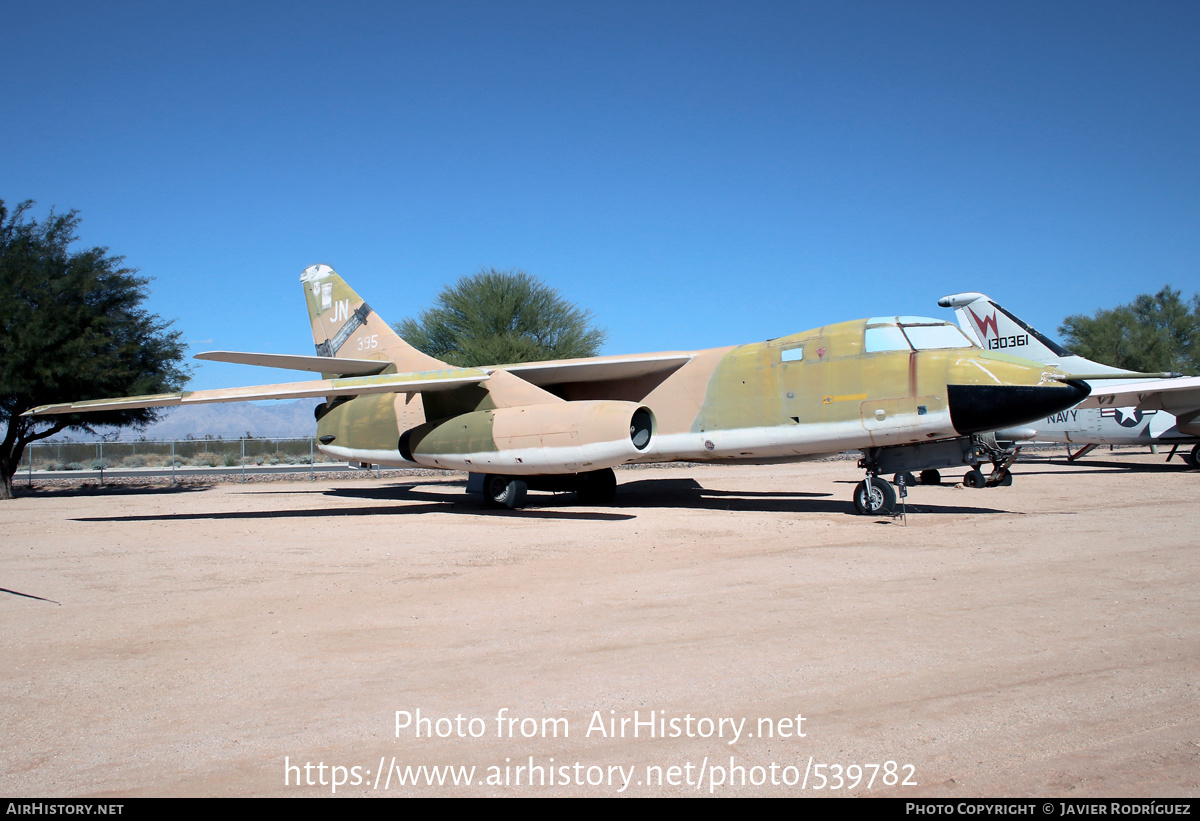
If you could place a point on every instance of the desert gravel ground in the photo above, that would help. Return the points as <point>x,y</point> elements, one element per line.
<point>1036,640</point>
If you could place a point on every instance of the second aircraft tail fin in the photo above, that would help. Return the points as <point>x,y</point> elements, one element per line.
<point>996,329</point>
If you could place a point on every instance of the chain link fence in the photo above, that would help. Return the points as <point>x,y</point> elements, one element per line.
<point>172,454</point>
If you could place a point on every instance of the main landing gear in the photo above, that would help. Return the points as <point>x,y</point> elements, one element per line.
<point>504,491</point>
<point>595,487</point>
<point>998,478</point>
<point>1001,459</point>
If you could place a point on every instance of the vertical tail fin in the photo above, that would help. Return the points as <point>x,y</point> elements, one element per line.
<point>995,329</point>
<point>344,325</point>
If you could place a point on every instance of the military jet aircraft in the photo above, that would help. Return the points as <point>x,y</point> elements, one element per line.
<point>910,392</point>
<point>1124,409</point>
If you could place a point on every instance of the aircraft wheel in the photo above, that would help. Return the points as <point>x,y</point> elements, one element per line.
<point>597,487</point>
<point>974,478</point>
<point>873,496</point>
<point>909,479</point>
<point>504,491</point>
<point>1193,458</point>
<point>931,477</point>
<point>1006,481</point>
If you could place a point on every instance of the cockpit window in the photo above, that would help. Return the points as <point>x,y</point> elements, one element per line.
<point>905,333</point>
<point>936,337</point>
<point>885,338</point>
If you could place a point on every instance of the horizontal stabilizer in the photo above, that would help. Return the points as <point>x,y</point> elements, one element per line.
<point>421,382</point>
<point>1127,376</point>
<point>1177,396</point>
<point>316,364</point>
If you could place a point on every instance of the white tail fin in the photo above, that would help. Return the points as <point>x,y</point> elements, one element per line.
<point>995,329</point>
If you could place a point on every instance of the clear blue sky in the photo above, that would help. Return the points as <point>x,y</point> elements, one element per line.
<point>695,173</point>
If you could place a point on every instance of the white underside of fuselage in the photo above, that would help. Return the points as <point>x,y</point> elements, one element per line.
<point>798,441</point>
<point>780,443</point>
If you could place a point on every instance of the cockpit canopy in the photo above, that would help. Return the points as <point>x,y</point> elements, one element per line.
<point>909,333</point>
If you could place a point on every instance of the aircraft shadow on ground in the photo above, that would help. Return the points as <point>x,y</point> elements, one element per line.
<point>1175,466</point>
<point>643,494</point>
<point>381,510</point>
<point>27,595</point>
<point>688,493</point>
<point>649,494</point>
<point>108,490</point>
<point>426,502</point>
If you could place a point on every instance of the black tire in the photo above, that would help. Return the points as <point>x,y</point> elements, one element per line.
<point>1005,481</point>
<point>974,478</point>
<point>505,491</point>
<point>874,497</point>
<point>909,479</point>
<point>931,477</point>
<point>597,487</point>
<point>1193,458</point>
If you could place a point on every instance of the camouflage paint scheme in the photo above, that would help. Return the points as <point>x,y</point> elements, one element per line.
<point>735,403</point>
<point>812,393</point>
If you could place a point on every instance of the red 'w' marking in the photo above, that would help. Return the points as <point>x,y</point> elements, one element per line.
<point>982,324</point>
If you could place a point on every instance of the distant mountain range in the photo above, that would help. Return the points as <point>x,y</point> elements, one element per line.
<point>230,420</point>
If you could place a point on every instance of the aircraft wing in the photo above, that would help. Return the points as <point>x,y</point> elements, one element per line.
<point>317,364</point>
<point>551,372</point>
<point>419,382</point>
<point>1177,396</point>
<point>600,369</point>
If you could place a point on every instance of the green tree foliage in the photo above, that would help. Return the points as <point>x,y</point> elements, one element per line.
<point>72,327</point>
<point>1150,334</point>
<point>500,317</point>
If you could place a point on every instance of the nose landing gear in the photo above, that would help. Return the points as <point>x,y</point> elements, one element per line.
<point>874,497</point>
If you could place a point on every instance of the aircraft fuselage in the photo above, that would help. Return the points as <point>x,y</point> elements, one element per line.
<point>853,385</point>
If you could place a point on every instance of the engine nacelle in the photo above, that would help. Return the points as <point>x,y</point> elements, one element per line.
<point>562,437</point>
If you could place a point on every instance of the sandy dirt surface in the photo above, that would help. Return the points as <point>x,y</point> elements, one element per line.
<point>1042,639</point>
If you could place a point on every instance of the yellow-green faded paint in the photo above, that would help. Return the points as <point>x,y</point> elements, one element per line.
<point>350,382</point>
<point>742,392</point>
<point>836,380</point>
<point>462,434</point>
<point>369,421</point>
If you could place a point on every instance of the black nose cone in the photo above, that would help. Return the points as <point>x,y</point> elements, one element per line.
<point>978,408</point>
